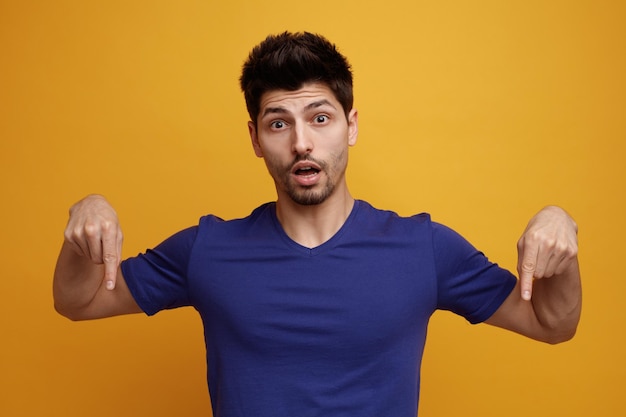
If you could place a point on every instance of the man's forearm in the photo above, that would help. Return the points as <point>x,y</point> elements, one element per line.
<point>76,281</point>
<point>557,302</point>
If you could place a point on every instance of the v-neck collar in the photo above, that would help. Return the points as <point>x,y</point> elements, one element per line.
<point>324,247</point>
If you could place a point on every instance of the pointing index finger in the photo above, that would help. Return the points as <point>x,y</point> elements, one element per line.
<point>526,268</point>
<point>111,256</point>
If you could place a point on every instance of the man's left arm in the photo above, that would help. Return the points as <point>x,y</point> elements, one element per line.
<point>546,302</point>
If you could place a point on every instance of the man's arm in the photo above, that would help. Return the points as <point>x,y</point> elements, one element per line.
<point>88,281</point>
<point>547,300</point>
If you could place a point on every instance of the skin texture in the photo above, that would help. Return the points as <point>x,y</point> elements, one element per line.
<point>547,301</point>
<point>304,137</point>
<point>306,129</point>
<point>88,282</point>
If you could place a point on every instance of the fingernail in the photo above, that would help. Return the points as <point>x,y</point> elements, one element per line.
<point>109,285</point>
<point>526,295</point>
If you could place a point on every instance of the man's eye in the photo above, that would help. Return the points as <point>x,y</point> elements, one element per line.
<point>278,124</point>
<point>322,118</point>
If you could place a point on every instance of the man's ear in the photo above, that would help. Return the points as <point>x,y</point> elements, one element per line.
<point>254,138</point>
<point>353,127</point>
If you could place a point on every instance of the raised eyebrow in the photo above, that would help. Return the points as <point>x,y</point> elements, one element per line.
<point>310,106</point>
<point>273,110</point>
<point>319,103</point>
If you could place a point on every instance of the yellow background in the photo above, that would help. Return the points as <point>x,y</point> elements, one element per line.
<point>480,112</point>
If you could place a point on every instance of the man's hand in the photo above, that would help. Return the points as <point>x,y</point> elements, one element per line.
<point>547,251</point>
<point>93,231</point>
<point>548,247</point>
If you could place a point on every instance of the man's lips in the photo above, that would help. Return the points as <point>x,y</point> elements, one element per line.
<point>305,168</point>
<point>306,173</point>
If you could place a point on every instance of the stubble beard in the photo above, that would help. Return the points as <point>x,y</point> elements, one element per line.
<point>309,196</point>
<point>312,195</point>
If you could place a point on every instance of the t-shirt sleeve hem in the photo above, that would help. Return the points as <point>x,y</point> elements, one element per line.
<point>488,310</point>
<point>142,301</point>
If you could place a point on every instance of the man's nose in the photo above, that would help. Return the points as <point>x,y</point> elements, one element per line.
<point>301,140</point>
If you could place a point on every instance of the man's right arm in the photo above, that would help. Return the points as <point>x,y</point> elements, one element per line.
<point>88,281</point>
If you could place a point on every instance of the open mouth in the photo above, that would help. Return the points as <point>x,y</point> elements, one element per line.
<point>305,168</point>
<point>306,171</point>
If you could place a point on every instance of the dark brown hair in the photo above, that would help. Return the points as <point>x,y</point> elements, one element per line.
<point>288,61</point>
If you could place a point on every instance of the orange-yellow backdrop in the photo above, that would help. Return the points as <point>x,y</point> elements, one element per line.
<point>478,112</point>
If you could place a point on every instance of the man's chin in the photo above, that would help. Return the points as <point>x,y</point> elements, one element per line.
<point>309,197</point>
<point>308,200</point>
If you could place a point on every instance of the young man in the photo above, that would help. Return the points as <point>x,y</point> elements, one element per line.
<point>317,303</point>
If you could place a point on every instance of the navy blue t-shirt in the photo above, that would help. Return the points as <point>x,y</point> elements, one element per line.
<point>336,330</point>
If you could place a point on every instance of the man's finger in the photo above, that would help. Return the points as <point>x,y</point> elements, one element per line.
<point>110,259</point>
<point>526,269</point>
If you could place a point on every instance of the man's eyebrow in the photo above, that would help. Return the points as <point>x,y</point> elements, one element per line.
<point>273,110</point>
<point>319,103</point>
<point>282,110</point>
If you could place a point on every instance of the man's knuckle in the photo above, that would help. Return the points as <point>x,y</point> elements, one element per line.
<point>572,252</point>
<point>109,258</point>
<point>562,247</point>
<point>534,235</point>
<point>91,228</point>
<point>107,225</point>
<point>74,233</point>
<point>528,266</point>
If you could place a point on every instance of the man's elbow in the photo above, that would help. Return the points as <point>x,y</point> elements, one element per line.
<point>70,313</point>
<point>556,336</point>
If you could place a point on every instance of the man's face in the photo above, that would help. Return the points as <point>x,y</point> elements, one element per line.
<point>304,136</point>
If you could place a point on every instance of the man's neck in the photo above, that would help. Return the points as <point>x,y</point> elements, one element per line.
<point>312,225</point>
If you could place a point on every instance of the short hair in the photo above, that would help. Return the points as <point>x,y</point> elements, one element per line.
<point>288,61</point>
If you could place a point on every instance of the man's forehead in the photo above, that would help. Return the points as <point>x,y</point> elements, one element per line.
<point>309,95</point>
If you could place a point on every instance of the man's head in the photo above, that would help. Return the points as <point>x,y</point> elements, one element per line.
<point>290,60</point>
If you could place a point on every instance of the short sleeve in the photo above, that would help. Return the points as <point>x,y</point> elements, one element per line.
<point>468,284</point>
<point>157,279</point>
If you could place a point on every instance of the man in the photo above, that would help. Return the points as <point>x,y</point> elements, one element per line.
<point>317,303</point>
